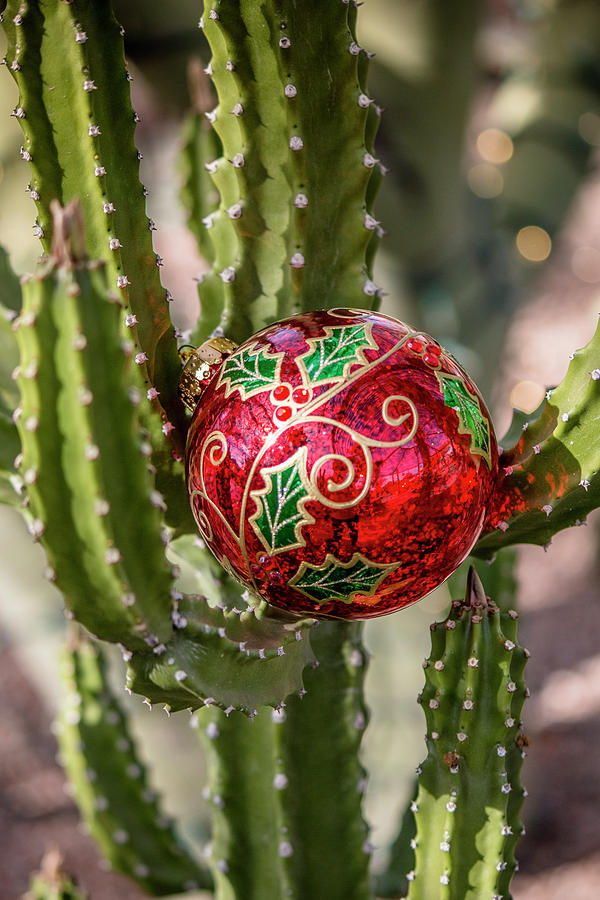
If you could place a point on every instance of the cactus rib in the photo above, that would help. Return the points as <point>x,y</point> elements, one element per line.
<point>248,848</point>
<point>318,739</point>
<point>90,496</point>
<point>469,797</point>
<point>551,475</point>
<point>79,128</point>
<point>281,246</point>
<point>10,303</point>
<point>228,658</point>
<point>200,145</point>
<point>110,782</point>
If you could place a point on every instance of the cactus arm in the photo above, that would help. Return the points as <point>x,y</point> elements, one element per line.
<point>90,494</point>
<point>247,846</point>
<point>23,24</point>
<point>295,95</point>
<point>232,659</point>
<point>111,783</point>
<point>319,737</point>
<point>329,71</point>
<point>467,807</point>
<point>52,882</point>
<point>551,474</point>
<point>76,80</point>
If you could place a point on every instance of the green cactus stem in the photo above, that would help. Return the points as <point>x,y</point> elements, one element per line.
<point>550,476</point>
<point>90,497</point>
<point>78,123</point>
<point>318,738</point>
<point>52,882</point>
<point>230,658</point>
<point>249,843</point>
<point>292,110</point>
<point>110,783</point>
<point>469,795</point>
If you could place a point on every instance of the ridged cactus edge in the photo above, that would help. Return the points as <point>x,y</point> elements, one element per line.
<point>463,823</point>
<point>292,109</point>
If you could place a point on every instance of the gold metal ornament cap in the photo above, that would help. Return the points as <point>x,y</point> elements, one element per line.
<point>200,364</point>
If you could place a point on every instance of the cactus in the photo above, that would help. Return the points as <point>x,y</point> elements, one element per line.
<point>110,782</point>
<point>277,83</point>
<point>466,809</point>
<point>551,472</point>
<point>94,421</point>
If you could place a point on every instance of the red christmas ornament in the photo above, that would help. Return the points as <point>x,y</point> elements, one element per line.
<point>339,463</point>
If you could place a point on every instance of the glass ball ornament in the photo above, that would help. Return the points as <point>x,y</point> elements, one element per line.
<point>339,463</point>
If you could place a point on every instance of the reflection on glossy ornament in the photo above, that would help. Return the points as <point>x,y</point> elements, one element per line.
<point>339,463</point>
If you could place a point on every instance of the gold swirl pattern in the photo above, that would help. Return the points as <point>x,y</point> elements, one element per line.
<point>217,442</point>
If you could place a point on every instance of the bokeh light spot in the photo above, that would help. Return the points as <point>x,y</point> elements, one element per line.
<point>534,243</point>
<point>494,146</point>
<point>526,396</point>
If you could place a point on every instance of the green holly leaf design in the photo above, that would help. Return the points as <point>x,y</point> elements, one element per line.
<point>339,581</point>
<point>330,358</point>
<point>250,371</point>
<point>470,417</point>
<point>280,512</point>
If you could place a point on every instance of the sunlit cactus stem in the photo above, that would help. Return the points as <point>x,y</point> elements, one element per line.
<point>466,810</point>
<point>292,109</point>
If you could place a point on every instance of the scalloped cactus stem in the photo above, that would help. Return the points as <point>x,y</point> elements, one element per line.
<point>469,797</point>
<point>91,500</point>
<point>318,735</point>
<point>292,108</point>
<point>249,846</point>
<point>110,783</point>
<point>551,474</point>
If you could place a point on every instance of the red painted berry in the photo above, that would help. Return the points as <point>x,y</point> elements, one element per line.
<point>283,413</point>
<point>280,393</point>
<point>431,359</point>
<point>301,396</point>
<point>416,345</point>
